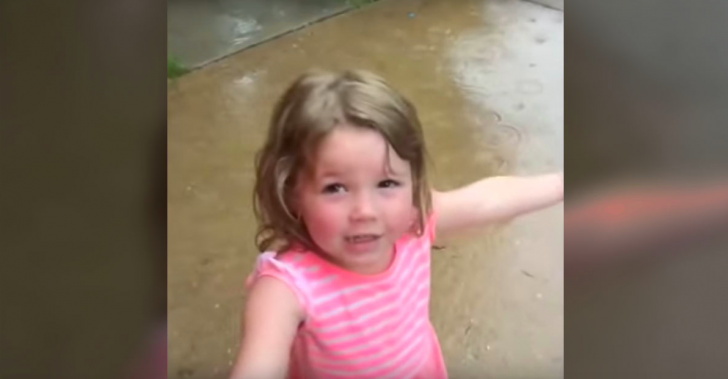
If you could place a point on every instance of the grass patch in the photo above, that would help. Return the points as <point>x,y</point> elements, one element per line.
<point>175,68</point>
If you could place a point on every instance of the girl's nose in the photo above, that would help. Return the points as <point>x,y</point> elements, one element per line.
<point>363,208</point>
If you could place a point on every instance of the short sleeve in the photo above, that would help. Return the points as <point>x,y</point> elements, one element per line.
<point>269,265</point>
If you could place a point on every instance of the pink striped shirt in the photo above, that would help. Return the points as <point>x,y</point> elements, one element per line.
<point>360,326</point>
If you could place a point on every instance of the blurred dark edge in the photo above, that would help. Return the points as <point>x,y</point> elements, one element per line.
<point>647,102</point>
<point>83,186</point>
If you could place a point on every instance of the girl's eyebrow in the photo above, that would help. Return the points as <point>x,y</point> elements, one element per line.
<point>393,174</point>
<point>330,174</point>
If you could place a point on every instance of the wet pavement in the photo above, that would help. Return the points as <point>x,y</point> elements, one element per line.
<point>487,79</point>
<point>201,31</point>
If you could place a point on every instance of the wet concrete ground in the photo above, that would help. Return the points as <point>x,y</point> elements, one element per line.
<point>487,78</point>
<point>201,31</point>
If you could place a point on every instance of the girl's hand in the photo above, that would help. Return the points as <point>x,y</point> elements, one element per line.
<point>496,199</point>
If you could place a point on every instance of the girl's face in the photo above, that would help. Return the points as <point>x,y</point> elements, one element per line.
<point>355,202</point>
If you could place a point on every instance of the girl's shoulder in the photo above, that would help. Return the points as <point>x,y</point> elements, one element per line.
<point>426,235</point>
<point>289,266</point>
<point>294,268</point>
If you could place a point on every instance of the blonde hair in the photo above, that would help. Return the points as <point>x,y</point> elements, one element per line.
<point>315,104</point>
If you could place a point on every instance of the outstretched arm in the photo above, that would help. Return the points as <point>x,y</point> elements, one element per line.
<point>272,316</point>
<point>495,199</point>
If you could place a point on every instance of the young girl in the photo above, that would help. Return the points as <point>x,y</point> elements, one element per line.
<point>347,219</point>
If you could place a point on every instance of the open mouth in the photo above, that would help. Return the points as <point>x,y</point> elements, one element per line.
<point>362,238</point>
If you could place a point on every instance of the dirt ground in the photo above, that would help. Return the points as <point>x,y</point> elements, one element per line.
<point>487,78</point>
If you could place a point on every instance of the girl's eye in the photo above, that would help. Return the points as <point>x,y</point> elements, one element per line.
<point>389,183</point>
<point>333,188</point>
